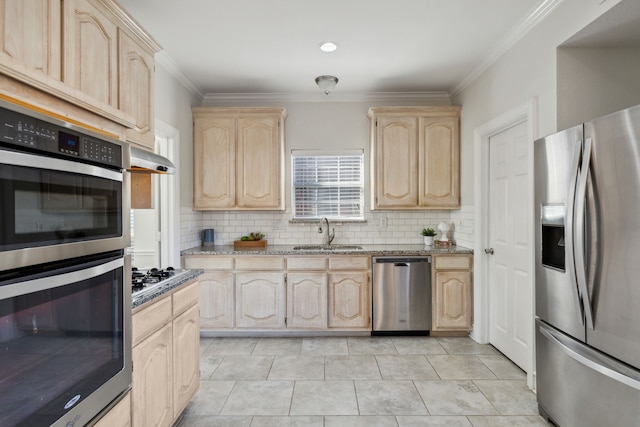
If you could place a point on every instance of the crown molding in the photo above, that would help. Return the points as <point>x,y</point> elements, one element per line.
<point>533,18</point>
<point>436,97</point>
<point>162,58</point>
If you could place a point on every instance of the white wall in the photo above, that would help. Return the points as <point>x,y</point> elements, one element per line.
<point>526,71</point>
<point>173,104</point>
<point>593,82</point>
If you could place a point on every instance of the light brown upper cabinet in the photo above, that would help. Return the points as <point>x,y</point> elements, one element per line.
<point>89,53</point>
<point>108,57</point>
<point>30,37</point>
<point>135,90</point>
<point>415,157</point>
<point>238,158</point>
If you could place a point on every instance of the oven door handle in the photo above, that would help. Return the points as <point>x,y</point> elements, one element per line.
<point>56,280</point>
<point>15,158</point>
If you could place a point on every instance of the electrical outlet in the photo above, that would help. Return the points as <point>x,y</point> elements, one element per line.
<point>277,225</point>
<point>384,222</point>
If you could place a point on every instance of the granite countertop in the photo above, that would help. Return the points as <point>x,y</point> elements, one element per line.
<point>366,250</point>
<point>165,286</point>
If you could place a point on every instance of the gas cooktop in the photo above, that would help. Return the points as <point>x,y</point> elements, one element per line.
<point>143,280</point>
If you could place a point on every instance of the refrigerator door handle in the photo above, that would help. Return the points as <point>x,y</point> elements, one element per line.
<point>579,247</point>
<point>569,228</point>
<point>589,358</point>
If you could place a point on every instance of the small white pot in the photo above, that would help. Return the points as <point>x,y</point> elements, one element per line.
<point>428,240</point>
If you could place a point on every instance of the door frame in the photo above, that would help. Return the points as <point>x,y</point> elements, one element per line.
<point>525,113</point>
<point>170,222</point>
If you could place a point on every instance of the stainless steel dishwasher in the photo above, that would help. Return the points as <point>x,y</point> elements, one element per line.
<point>401,295</point>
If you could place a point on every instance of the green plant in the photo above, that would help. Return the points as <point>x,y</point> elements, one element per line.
<point>428,231</point>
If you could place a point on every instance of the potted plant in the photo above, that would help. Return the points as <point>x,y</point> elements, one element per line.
<point>428,234</point>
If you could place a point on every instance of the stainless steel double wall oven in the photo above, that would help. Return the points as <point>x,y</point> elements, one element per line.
<point>65,286</point>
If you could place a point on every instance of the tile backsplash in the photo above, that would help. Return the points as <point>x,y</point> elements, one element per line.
<point>380,227</point>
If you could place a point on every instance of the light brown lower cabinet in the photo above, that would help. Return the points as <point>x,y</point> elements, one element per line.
<point>166,367</point>
<point>276,293</point>
<point>119,415</point>
<point>452,294</point>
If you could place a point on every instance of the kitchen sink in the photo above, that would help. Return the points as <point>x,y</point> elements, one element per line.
<point>327,248</point>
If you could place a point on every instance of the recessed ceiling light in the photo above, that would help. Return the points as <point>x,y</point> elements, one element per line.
<point>328,46</point>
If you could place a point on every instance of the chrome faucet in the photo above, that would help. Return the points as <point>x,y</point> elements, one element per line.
<point>327,238</point>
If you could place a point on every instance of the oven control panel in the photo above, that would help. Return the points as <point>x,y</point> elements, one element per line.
<point>18,129</point>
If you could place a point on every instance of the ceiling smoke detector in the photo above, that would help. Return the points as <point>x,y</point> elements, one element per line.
<point>326,83</point>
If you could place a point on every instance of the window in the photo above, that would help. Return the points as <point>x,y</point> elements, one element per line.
<point>327,184</point>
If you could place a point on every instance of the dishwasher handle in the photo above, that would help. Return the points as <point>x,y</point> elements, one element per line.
<point>401,262</point>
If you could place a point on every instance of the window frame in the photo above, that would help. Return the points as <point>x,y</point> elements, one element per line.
<point>336,186</point>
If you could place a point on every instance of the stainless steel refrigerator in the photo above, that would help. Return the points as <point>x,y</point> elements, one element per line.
<point>587,201</point>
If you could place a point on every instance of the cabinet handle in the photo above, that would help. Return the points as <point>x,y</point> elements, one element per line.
<point>488,251</point>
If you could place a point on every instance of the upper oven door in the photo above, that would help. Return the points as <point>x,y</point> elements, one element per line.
<point>53,209</point>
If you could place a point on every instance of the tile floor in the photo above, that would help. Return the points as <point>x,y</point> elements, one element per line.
<point>360,381</point>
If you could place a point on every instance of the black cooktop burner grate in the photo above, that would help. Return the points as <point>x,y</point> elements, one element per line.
<point>140,279</point>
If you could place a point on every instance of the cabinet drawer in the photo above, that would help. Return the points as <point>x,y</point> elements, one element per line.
<point>185,298</point>
<point>307,263</point>
<point>259,263</point>
<point>349,263</point>
<point>209,262</point>
<point>150,319</point>
<point>452,262</point>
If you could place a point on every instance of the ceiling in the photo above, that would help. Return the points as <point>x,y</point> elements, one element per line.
<point>385,46</point>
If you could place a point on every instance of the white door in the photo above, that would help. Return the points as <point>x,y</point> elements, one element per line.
<point>510,282</point>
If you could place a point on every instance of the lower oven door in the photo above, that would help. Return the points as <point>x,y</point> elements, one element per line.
<point>65,346</point>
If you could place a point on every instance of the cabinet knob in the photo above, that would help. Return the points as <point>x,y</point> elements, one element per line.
<point>488,251</point>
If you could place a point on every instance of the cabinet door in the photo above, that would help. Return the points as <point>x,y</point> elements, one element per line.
<point>30,36</point>
<point>439,162</point>
<point>136,89</point>
<point>152,383</point>
<point>214,158</point>
<point>91,51</point>
<point>396,162</point>
<point>186,357</point>
<point>259,162</point>
<point>216,300</point>
<point>453,300</point>
<point>119,415</point>
<point>307,300</point>
<point>260,300</point>
<point>349,300</point>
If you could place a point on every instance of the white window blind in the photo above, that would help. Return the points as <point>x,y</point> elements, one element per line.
<point>327,184</point>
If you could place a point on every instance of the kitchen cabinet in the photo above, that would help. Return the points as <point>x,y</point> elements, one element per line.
<point>166,342</point>
<point>86,58</point>
<point>307,300</point>
<point>307,284</point>
<point>452,294</point>
<point>91,50</point>
<point>186,356</point>
<point>238,158</point>
<point>217,290</point>
<point>260,292</point>
<point>136,90</point>
<point>349,292</point>
<point>119,415</point>
<point>30,39</point>
<point>153,379</point>
<point>276,293</point>
<point>415,155</point>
